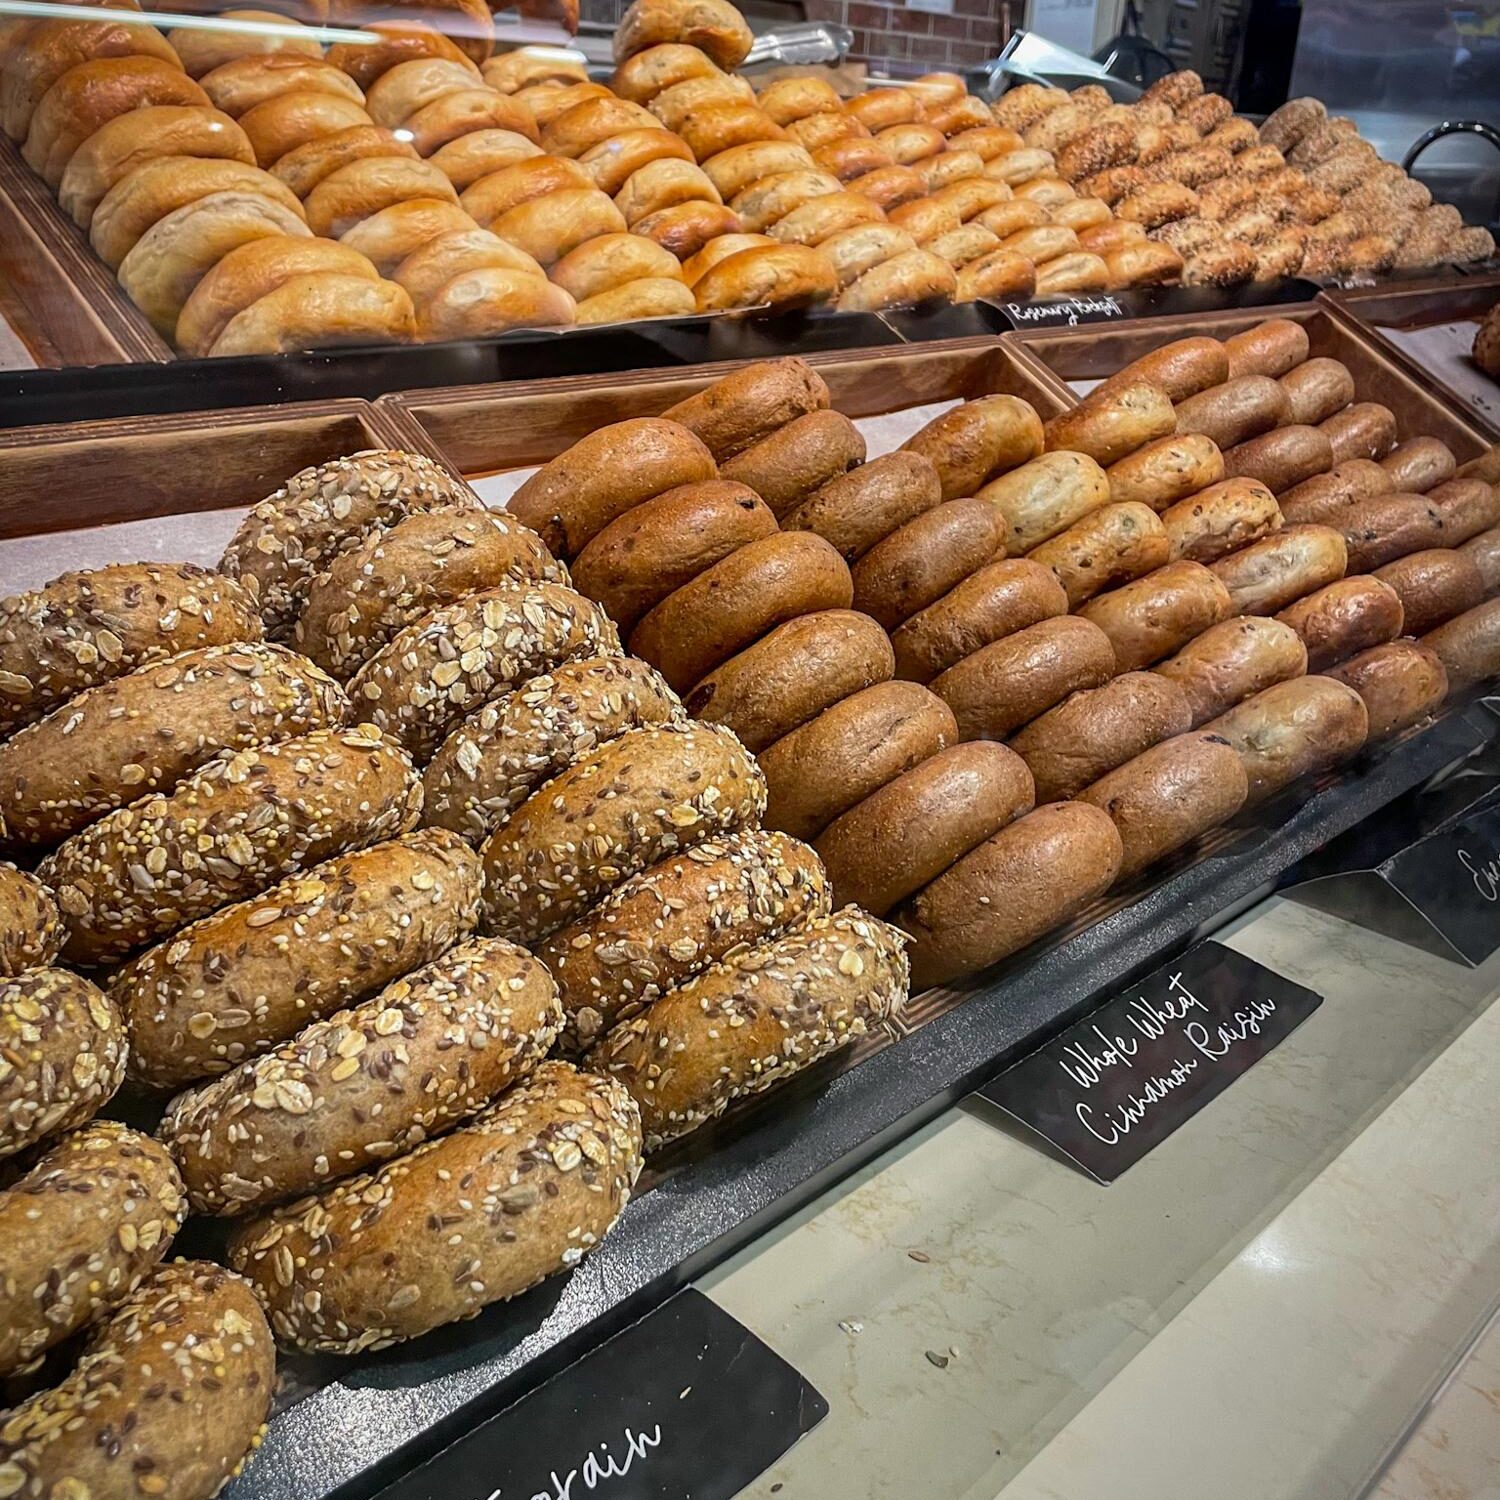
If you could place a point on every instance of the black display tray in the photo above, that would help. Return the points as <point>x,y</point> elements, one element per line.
<point>383,1413</point>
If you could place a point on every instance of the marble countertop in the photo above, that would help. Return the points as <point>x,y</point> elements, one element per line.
<point>1260,1308</point>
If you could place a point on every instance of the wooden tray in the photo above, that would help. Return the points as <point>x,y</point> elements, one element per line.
<point>173,487</point>
<point>483,430</point>
<point>68,307</point>
<point>87,493</point>
<point>1384,314</point>
<point>1057,356</point>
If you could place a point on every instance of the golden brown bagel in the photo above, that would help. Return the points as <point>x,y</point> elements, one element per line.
<point>364,187</point>
<point>786,276</point>
<point>303,169</point>
<point>436,263</point>
<point>393,233</point>
<point>490,300</point>
<point>317,312</point>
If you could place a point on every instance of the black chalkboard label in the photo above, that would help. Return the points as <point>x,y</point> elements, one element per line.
<point>1119,1082</point>
<point>1453,878</point>
<point>1064,312</point>
<point>687,1404</point>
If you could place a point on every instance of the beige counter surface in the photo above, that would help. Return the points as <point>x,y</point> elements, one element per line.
<point>1261,1308</point>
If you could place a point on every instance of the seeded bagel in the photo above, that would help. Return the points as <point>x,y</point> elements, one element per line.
<point>427,677</point>
<point>631,802</point>
<point>500,755</point>
<point>31,932</point>
<point>756,1018</point>
<point>295,534</point>
<point>238,982</point>
<point>230,830</point>
<point>526,1189</point>
<point>396,576</point>
<point>366,1084</point>
<point>672,921</point>
<point>791,674</point>
<point>62,1055</point>
<point>168,1400</point>
<point>146,732</point>
<point>78,1232</point>
<point>86,628</point>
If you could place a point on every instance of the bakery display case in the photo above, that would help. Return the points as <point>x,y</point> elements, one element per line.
<point>980,997</point>
<point>440,191</point>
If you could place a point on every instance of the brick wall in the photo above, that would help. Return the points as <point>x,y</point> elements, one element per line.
<point>899,40</point>
<point>892,38</point>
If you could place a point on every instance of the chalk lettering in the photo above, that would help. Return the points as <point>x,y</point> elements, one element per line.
<point>1484,873</point>
<point>595,1469</point>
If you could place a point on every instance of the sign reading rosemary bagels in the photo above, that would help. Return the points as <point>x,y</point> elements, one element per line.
<point>659,1411</point>
<point>1120,1081</point>
<point>1064,312</point>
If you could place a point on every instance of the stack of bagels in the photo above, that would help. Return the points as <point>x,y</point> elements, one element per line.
<point>346,904</point>
<point>1302,195</point>
<point>1117,596</point>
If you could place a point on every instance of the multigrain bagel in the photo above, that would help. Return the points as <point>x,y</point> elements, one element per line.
<point>910,830</point>
<point>504,751</point>
<point>65,1044</point>
<point>539,870</point>
<point>330,790</point>
<point>850,750</point>
<point>792,674</point>
<point>242,1140</point>
<point>702,624</point>
<point>146,732</point>
<point>131,140</point>
<point>398,575</point>
<point>238,982</point>
<point>754,1019</point>
<point>82,1228</point>
<point>249,273</point>
<point>195,1418</point>
<point>675,919</point>
<point>294,534</point>
<point>91,627</point>
<point>665,542</point>
<point>577,1133</point>
<point>977,441</point>
<point>30,926</point>
<point>570,500</point>
<point>503,635</point>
